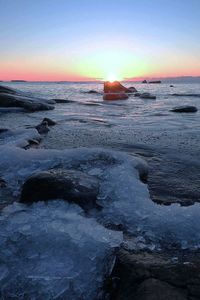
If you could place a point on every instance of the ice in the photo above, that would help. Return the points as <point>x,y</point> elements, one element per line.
<point>124,198</point>
<point>54,252</point>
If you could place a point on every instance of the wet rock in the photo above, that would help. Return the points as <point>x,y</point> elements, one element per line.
<point>115,96</point>
<point>43,128</point>
<point>132,89</point>
<point>2,130</point>
<point>144,81</point>
<point>171,85</point>
<point>71,185</point>
<point>177,274</point>
<point>5,89</point>
<point>154,289</point>
<point>49,121</point>
<point>28,103</point>
<point>147,96</point>
<point>63,101</point>
<point>185,109</point>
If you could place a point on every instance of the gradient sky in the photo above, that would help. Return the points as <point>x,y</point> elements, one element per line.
<point>89,39</point>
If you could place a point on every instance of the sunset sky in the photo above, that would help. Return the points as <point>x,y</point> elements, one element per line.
<point>98,39</point>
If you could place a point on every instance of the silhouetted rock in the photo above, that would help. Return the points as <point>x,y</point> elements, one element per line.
<point>147,96</point>
<point>144,81</point>
<point>71,185</point>
<point>184,109</point>
<point>132,89</point>
<point>5,89</point>
<point>171,85</point>
<point>2,130</point>
<point>155,81</point>
<point>115,96</point>
<point>62,101</point>
<point>93,92</point>
<point>117,87</point>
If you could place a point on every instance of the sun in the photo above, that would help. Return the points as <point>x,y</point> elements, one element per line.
<point>112,77</point>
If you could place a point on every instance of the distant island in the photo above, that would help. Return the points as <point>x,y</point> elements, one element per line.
<point>18,80</point>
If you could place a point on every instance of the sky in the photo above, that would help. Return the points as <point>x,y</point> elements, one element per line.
<point>58,40</point>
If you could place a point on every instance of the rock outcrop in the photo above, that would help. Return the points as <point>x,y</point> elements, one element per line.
<point>117,87</point>
<point>12,98</point>
<point>115,96</point>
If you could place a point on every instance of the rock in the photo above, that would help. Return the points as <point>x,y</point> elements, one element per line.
<point>28,103</point>
<point>71,185</point>
<point>115,96</point>
<point>147,96</point>
<point>171,85</point>
<point>155,81</point>
<point>62,101</point>
<point>49,122</point>
<point>132,89</point>
<point>177,269</point>
<point>5,89</point>
<point>144,81</point>
<point>42,128</point>
<point>184,109</point>
<point>93,92</point>
<point>2,130</point>
<point>154,289</point>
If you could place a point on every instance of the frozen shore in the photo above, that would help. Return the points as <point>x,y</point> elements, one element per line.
<point>168,143</point>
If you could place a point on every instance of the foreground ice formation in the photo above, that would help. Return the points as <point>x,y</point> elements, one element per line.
<point>53,252</point>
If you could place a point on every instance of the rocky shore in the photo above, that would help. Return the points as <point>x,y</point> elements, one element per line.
<point>138,267</point>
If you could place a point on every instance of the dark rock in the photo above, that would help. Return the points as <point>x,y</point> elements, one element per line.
<point>155,81</point>
<point>132,89</point>
<point>5,89</point>
<point>42,128</point>
<point>62,101</point>
<point>93,92</point>
<point>2,183</point>
<point>49,122</point>
<point>171,85</point>
<point>147,96</point>
<point>28,103</point>
<point>73,186</point>
<point>144,81</point>
<point>184,109</point>
<point>180,270</point>
<point>2,130</point>
<point>115,96</point>
<point>154,289</point>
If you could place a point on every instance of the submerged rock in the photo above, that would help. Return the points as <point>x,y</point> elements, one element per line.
<point>71,185</point>
<point>185,109</point>
<point>115,96</point>
<point>147,96</point>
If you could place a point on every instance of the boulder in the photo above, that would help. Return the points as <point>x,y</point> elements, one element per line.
<point>147,96</point>
<point>184,109</point>
<point>28,103</point>
<point>144,81</point>
<point>71,185</point>
<point>115,96</point>
<point>117,87</point>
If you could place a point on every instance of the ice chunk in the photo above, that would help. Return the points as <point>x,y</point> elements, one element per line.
<point>53,252</point>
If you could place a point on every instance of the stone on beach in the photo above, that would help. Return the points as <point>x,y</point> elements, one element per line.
<point>184,109</point>
<point>71,185</point>
<point>115,96</point>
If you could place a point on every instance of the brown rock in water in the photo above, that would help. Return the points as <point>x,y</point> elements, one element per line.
<point>117,87</point>
<point>71,185</point>
<point>115,96</point>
